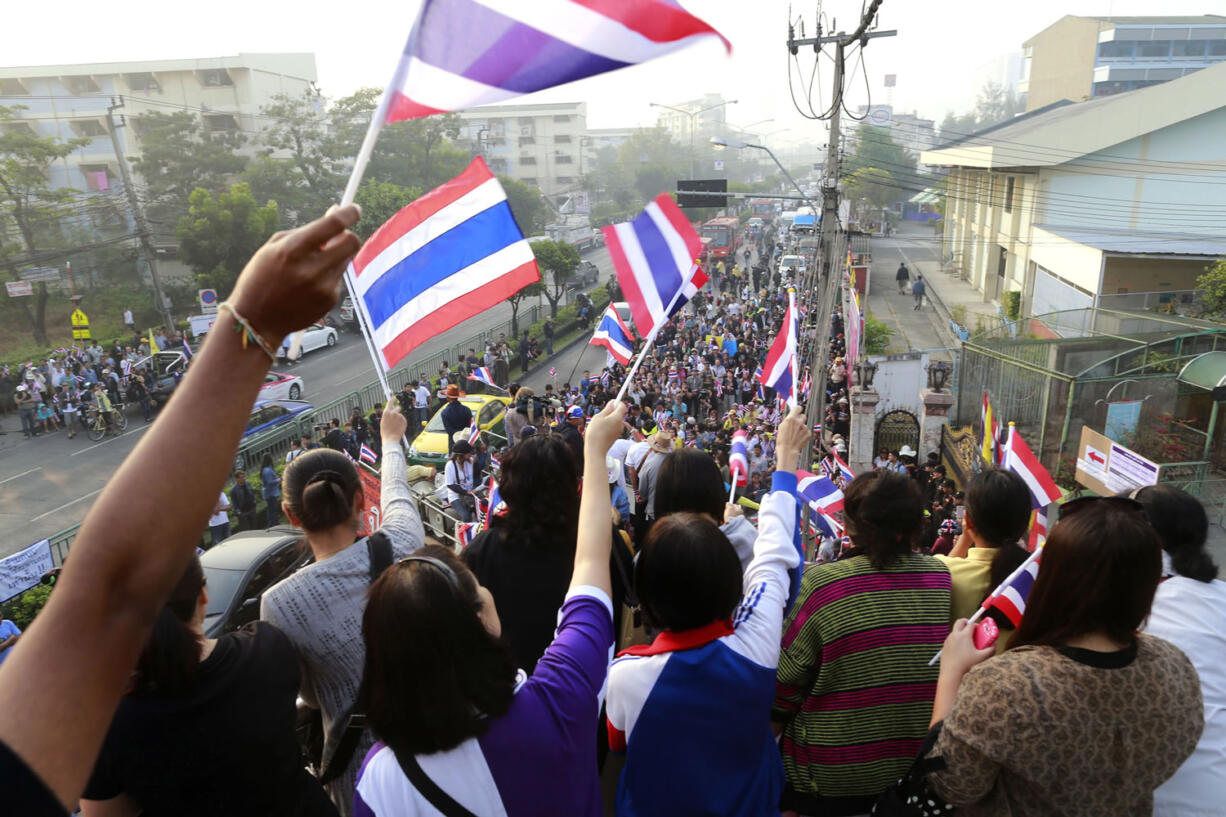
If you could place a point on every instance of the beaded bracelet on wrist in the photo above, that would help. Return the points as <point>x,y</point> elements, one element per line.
<point>246,332</point>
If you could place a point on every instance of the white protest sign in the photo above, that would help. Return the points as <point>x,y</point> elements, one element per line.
<point>22,570</point>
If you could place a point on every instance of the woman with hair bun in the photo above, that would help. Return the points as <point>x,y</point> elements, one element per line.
<point>320,607</point>
<point>207,725</point>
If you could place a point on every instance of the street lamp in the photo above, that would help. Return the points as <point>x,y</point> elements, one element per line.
<point>692,115</point>
<point>719,143</point>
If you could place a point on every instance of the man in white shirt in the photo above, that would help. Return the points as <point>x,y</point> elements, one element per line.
<point>129,321</point>
<point>219,522</point>
<point>421,402</point>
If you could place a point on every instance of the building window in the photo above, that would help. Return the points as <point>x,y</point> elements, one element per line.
<point>562,117</point>
<point>527,160</point>
<point>220,122</point>
<point>1191,49</point>
<point>1156,49</point>
<point>87,127</point>
<point>97,177</point>
<point>562,139</point>
<point>1115,50</point>
<point>497,164</point>
<point>525,120</point>
<point>1217,48</point>
<point>215,78</point>
<point>1009,195</point>
<point>13,87</point>
<point>564,179</point>
<point>527,140</point>
<point>144,81</point>
<point>562,159</point>
<point>529,180</point>
<point>20,129</point>
<point>81,85</point>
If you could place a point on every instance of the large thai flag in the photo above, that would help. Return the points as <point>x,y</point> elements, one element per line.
<point>448,256</point>
<point>821,494</point>
<point>654,259</point>
<point>698,279</point>
<point>614,335</point>
<point>1021,460</point>
<point>464,53</point>
<point>482,374</point>
<point>779,371</point>
<point>738,460</point>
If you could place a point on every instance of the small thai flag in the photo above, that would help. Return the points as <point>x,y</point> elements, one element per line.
<point>187,348</point>
<point>464,533</point>
<point>606,378</point>
<point>474,433</point>
<point>1021,460</point>
<point>757,376</point>
<point>821,494</point>
<point>844,469</point>
<point>1010,597</point>
<point>553,372</point>
<point>780,367</point>
<point>738,460</point>
<point>719,388</point>
<point>494,502</point>
<point>367,454</point>
<point>613,334</point>
<point>482,374</point>
<point>673,375</point>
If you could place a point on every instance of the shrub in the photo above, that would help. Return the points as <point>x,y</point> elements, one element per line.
<point>1013,305</point>
<point>877,336</point>
<point>22,609</point>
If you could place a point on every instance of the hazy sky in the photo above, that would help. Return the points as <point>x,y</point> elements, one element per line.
<point>940,47</point>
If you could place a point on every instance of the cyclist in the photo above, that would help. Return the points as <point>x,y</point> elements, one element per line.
<point>104,407</point>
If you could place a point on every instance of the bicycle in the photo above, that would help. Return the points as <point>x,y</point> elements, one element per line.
<point>97,426</point>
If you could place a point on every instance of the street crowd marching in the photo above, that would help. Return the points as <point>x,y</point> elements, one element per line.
<point>746,681</point>
<point>65,391</point>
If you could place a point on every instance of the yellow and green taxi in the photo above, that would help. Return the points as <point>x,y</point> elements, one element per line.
<point>430,447</point>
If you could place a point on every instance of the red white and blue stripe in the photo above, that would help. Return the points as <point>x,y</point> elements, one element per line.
<point>779,371</point>
<point>1019,459</point>
<point>698,280</point>
<point>448,256</point>
<point>465,53</point>
<point>464,532</point>
<point>367,454</point>
<point>654,259</point>
<point>474,432</point>
<point>738,460</point>
<point>493,503</point>
<point>844,469</point>
<point>482,374</point>
<point>1010,598</point>
<point>613,334</point>
<point>821,494</point>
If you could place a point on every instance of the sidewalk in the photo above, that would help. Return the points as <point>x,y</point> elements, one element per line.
<point>928,328</point>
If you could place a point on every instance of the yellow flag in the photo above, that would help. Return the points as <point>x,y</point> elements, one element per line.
<point>153,344</point>
<point>987,432</point>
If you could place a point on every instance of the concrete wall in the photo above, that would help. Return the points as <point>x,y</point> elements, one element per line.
<point>1062,61</point>
<point>1150,274</point>
<point>899,381</point>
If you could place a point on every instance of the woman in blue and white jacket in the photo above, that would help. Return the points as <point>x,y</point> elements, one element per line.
<point>692,709</point>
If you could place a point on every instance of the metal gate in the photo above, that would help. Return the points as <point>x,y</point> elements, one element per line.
<point>896,429</point>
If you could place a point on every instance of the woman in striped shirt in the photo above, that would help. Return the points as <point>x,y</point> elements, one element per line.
<point>854,689</point>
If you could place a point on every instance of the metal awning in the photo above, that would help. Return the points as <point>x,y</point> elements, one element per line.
<point>929,195</point>
<point>1207,371</point>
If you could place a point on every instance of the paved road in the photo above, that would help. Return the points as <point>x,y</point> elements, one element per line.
<point>913,330</point>
<point>49,483</point>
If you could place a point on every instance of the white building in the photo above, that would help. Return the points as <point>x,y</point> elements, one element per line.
<point>696,119</point>
<point>913,132</point>
<point>542,144</point>
<point>1080,204</point>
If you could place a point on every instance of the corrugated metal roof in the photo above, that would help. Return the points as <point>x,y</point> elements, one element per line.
<point>1142,243</point>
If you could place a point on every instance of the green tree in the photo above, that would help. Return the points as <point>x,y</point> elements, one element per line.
<point>177,156</point>
<point>870,189</point>
<point>220,233</point>
<point>994,104</point>
<point>877,336</point>
<point>30,208</point>
<point>379,202</point>
<point>535,288</point>
<point>526,205</point>
<point>557,260</point>
<point>295,167</point>
<point>1213,282</point>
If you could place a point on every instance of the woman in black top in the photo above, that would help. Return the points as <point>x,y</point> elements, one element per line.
<point>207,727</point>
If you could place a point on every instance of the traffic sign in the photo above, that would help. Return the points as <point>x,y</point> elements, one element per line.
<point>40,274</point>
<point>18,288</point>
<point>80,325</point>
<point>208,301</point>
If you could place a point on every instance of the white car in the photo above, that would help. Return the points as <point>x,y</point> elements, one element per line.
<point>316,336</point>
<point>789,261</point>
<point>279,386</point>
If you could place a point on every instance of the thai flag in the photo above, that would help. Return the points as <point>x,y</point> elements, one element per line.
<point>738,460</point>
<point>448,256</point>
<point>654,259</point>
<point>827,524</point>
<point>187,348</point>
<point>805,385</point>
<point>1010,598</point>
<point>553,372</point>
<point>474,432</point>
<point>780,368</point>
<point>465,53</point>
<point>1020,460</point>
<point>606,377</point>
<point>493,503</point>
<point>464,533</point>
<point>719,388</point>
<point>821,494</point>
<point>613,334</point>
<point>698,280</point>
<point>757,377</point>
<point>1038,529</point>
<point>844,469</point>
<point>673,375</point>
<point>367,454</point>
<point>827,467</point>
<point>482,374</point>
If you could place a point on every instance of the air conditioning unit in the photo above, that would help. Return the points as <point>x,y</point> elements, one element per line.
<point>525,131</point>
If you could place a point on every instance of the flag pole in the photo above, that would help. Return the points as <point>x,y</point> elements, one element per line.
<point>651,339</point>
<point>355,180</point>
<point>996,592</point>
<point>793,398</point>
<point>731,488</point>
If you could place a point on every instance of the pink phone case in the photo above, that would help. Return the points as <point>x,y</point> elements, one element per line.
<point>985,634</point>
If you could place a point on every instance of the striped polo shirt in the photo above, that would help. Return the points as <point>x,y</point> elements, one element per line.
<point>854,687</point>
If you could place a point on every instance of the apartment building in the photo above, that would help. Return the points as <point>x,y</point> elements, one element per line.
<point>913,132</point>
<point>1082,202</point>
<point>1079,58</point>
<point>695,119</point>
<point>542,144</point>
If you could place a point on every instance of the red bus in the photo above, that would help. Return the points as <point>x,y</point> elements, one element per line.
<point>762,208</point>
<point>723,237</point>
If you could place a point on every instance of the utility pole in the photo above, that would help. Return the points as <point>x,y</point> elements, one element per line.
<point>142,227</point>
<point>831,258</point>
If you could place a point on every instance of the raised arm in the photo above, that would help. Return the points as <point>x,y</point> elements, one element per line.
<point>595,513</point>
<point>76,657</point>
<point>400,519</point>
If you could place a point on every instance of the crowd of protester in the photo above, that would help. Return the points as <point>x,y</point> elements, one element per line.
<point>749,679</point>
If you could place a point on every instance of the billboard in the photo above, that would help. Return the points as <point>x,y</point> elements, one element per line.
<point>1106,467</point>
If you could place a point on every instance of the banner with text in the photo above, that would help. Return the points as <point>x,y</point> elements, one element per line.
<point>22,570</point>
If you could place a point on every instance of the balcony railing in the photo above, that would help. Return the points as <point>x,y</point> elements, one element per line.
<point>1188,302</point>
